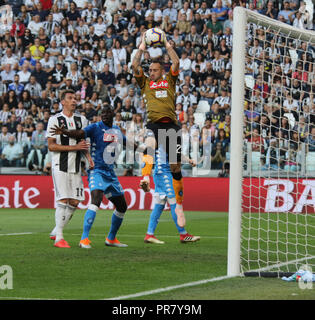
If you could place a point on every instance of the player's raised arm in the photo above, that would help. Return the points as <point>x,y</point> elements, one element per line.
<point>173,55</point>
<point>137,58</point>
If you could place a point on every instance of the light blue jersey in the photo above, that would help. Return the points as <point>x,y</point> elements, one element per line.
<point>104,143</point>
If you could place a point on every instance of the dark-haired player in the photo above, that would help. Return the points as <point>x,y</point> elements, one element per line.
<point>66,169</point>
<point>158,91</point>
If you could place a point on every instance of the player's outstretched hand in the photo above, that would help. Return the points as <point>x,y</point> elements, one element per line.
<point>55,131</point>
<point>82,146</point>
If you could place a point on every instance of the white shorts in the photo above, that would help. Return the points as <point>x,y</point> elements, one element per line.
<point>68,185</point>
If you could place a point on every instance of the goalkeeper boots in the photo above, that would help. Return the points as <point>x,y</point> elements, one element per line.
<point>62,244</point>
<point>85,243</point>
<point>115,243</point>
<point>152,239</point>
<point>184,238</point>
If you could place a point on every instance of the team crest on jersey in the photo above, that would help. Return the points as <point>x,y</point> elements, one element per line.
<point>109,137</point>
<point>158,85</point>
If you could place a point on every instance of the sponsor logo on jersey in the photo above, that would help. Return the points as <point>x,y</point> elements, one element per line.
<point>108,137</point>
<point>158,85</point>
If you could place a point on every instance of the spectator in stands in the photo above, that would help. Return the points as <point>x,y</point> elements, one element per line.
<point>184,65</point>
<point>4,136</point>
<point>215,115</point>
<point>114,100</point>
<point>90,111</point>
<point>197,77</point>
<point>257,141</point>
<point>215,25</point>
<point>225,125</point>
<point>38,146</point>
<point>187,99</point>
<point>5,114</point>
<point>107,76</point>
<point>217,157</point>
<point>183,25</point>
<point>37,50</point>
<point>7,74</point>
<point>251,113</point>
<point>24,74</point>
<point>20,112</point>
<point>9,58</point>
<point>180,113</point>
<point>224,101</point>
<point>272,160</point>
<point>223,139</point>
<point>12,154</point>
<point>302,128</point>
<point>270,11</point>
<point>12,123</point>
<point>286,13</point>
<point>170,12</point>
<point>34,88</point>
<point>101,90</point>
<point>128,110</point>
<point>11,99</point>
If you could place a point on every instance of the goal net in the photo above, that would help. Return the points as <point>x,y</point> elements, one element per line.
<point>272,169</point>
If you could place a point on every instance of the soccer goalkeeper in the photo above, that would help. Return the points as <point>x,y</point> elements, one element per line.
<point>159,92</point>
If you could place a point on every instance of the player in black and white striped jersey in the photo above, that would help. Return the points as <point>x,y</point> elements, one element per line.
<point>66,164</point>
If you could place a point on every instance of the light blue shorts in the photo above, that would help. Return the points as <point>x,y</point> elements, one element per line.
<point>105,181</point>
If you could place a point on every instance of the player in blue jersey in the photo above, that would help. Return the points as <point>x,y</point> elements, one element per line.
<point>164,191</point>
<point>104,139</point>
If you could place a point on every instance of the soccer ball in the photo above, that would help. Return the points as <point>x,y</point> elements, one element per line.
<point>154,37</point>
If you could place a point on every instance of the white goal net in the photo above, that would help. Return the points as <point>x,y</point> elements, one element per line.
<point>272,182</point>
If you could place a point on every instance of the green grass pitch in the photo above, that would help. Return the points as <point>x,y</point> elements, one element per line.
<point>41,271</point>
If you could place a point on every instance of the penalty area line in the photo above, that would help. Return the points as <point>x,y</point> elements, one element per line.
<point>170,288</point>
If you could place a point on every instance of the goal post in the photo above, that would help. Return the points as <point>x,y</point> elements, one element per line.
<point>271,223</point>
<point>236,162</point>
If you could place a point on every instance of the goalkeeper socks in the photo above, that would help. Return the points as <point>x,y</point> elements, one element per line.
<point>178,187</point>
<point>147,164</point>
<point>154,218</point>
<point>88,220</point>
<point>174,216</point>
<point>117,219</point>
<point>60,218</point>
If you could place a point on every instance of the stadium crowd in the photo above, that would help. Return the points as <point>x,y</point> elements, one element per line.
<point>88,45</point>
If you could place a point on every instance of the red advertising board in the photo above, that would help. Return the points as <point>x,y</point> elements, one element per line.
<point>201,194</point>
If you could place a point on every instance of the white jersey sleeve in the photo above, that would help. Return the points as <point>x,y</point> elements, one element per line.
<point>52,122</point>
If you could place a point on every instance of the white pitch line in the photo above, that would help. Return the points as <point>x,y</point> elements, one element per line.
<point>21,298</point>
<point>16,234</point>
<point>170,288</point>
